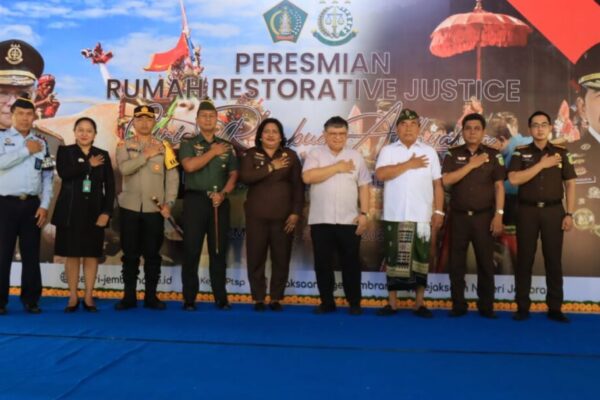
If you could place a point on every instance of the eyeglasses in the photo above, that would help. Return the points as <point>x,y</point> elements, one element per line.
<point>543,125</point>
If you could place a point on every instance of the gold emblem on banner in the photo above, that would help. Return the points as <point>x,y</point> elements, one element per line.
<point>14,55</point>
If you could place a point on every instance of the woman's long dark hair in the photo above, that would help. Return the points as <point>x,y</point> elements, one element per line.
<point>261,128</point>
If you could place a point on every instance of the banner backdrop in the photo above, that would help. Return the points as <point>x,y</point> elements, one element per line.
<point>303,62</point>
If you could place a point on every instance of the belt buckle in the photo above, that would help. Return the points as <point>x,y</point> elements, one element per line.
<point>22,197</point>
<point>540,204</point>
<point>470,213</point>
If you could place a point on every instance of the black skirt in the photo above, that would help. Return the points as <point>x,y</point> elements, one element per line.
<point>79,242</point>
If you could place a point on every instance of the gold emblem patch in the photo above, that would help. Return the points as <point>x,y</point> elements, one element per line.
<point>14,55</point>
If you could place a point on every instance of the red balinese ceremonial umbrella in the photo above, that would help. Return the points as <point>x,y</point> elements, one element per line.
<point>464,32</point>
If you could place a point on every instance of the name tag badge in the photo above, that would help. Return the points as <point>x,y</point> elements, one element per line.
<point>38,164</point>
<point>87,185</point>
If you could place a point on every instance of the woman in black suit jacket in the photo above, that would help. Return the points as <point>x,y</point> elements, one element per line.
<point>83,209</point>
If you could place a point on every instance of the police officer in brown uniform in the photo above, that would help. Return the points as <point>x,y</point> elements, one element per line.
<point>476,175</point>
<point>141,161</point>
<point>542,171</point>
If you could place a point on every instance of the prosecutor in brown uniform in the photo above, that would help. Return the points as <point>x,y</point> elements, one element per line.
<point>273,207</point>
<point>476,174</point>
<point>542,171</point>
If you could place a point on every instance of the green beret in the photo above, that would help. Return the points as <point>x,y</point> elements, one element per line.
<point>207,105</point>
<point>407,114</point>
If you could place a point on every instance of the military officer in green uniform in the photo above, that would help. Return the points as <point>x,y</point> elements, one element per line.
<point>210,166</point>
<point>141,160</point>
<point>543,172</point>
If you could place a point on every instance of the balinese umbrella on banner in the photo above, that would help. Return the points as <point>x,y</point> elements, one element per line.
<point>464,32</point>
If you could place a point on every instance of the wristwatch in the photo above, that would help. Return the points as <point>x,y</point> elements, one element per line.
<point>569,214</point>
<point>500,211</point>
<point>366,214</point>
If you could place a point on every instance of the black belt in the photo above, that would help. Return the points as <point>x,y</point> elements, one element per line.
<point>541,204</point>
<point>473,212</point>
<point>21,197</point>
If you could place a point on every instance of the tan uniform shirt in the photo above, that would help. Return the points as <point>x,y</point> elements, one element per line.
<point>144,178</point>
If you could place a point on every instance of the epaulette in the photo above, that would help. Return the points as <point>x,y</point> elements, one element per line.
<point>560,146</point>
<point>522,147</point>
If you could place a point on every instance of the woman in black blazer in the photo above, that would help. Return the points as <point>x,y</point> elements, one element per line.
<point>83,209</point>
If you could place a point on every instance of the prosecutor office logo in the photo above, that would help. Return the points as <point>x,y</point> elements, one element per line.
<point>335,26</point>
<point>14,55</point>
<point>285,21</point>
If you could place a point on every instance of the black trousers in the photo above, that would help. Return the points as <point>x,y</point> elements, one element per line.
<point>198,223</point>
<point>142,234</point>
<point>474,229</point>
<point>17,220</point>
<point>328,239</point>
<point>264,235</point>
<point>531,222</point>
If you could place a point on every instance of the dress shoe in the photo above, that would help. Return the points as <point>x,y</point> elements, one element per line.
<point>521,315</point>
<point>223,305</point>
<point>259,306</point>
<point>32,308</point>
<point>355,310</point>
<point>125,305</point>
<point>275,306</point>
<point>490,314</point>
<point>457,312</point>
<point>73,308</point>
<point>324,309</point>
<point>89,308</point>
<point>2,310</point>
<point>423,312</point>
<point>189,307</point>
<point>386,311</point>
<point>558,316</point>
<point>155,304</point>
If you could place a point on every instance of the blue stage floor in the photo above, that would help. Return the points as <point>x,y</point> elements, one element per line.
<point>143,354</point>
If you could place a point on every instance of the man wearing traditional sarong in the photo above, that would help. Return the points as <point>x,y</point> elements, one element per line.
<point>412,207</point>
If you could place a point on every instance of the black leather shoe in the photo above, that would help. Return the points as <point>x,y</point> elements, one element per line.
<point>386,311</point>
<point>490,314</point>
<point>423,312</point>
<point>521,316</point>
<point>558,316</point>
<point>324,309</point>
<point>457,312</point>
<point>223,305</point>
<point>89,308</point>
<point>155,304</point>
<point>189,307</point>
<point>125,305</point>
<point>73,308</point>
<point>355,310</point>
<point>32,308</point>
<point>2,310</point>
<point>259,306</point>
<point>275,306</point>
